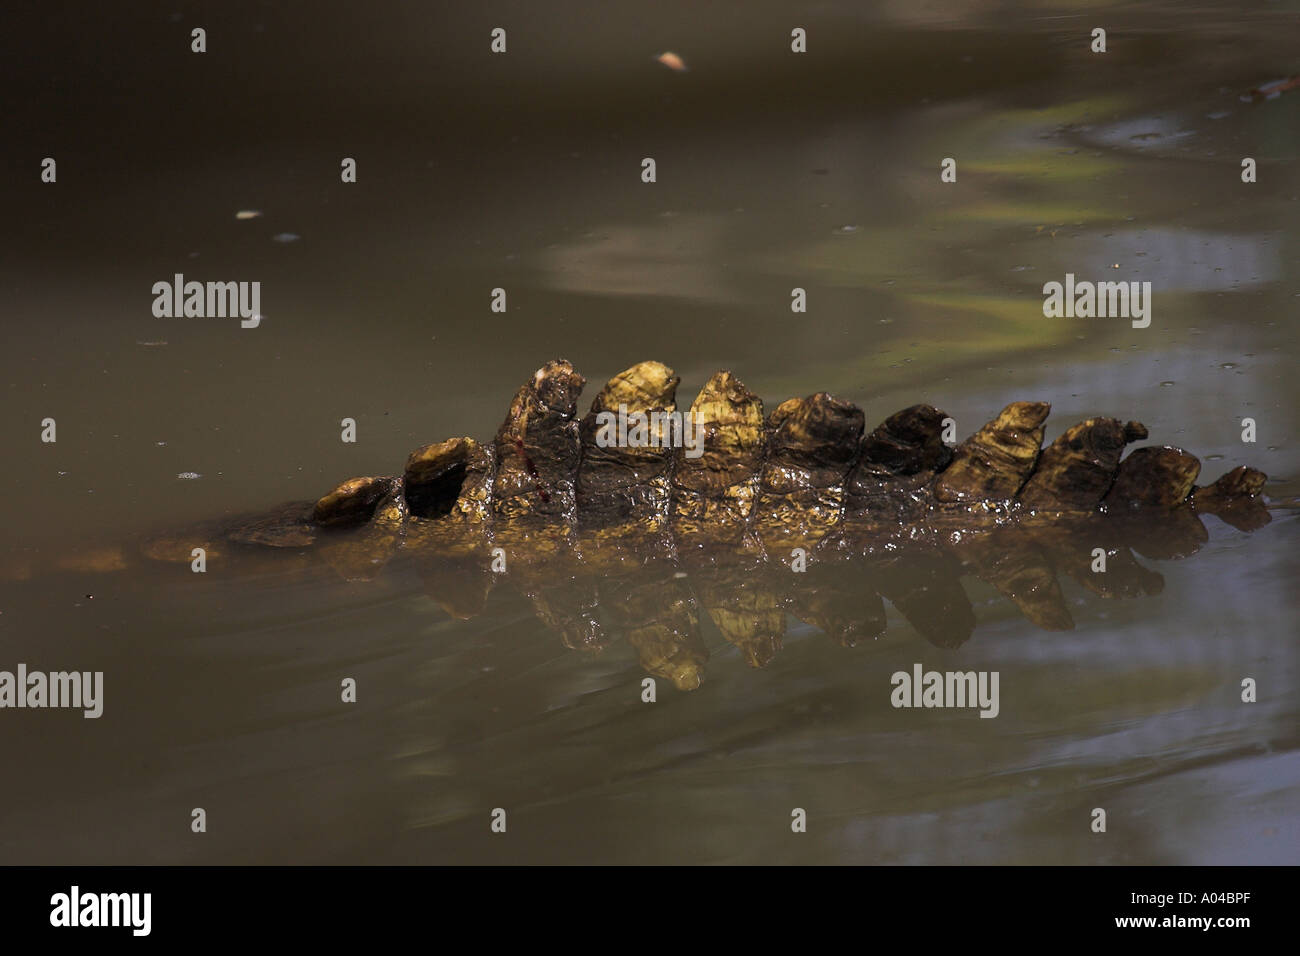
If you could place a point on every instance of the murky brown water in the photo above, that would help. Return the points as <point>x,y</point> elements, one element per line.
<point>522,171</point>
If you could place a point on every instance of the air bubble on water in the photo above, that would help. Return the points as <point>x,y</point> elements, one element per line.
<point>846,230</point>
<point>1228,365</point>
<point>286,237</point>
<point>1214,458</point>
<point>1166,384</point>
<point>189,475</point>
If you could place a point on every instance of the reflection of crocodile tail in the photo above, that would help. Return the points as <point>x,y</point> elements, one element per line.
<point>659,606</point>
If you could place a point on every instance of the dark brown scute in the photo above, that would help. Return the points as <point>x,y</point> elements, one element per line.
<point>435,474</point>
<point>353,502</point>
<point>818,436</point>
<point>1154,477</point>
<point>1075,471</point>
<point>907,442</point>
<point>537,444</point>
<point>895,464</point>
<point>1241,482</point>
<point>995,462</point>
<point>1235,499</point>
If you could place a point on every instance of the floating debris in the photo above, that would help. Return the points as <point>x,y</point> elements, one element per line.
<point>248,214</point>
<point>1268,91</point>
<point>673,62</point>
<point>189,475</point>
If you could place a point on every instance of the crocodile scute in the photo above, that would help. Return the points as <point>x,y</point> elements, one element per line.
<point>805,472</point>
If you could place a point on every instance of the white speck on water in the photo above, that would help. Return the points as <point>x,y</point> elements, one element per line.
<point>248,214</point>
<point>189,475</point>
<point>286,237</point>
